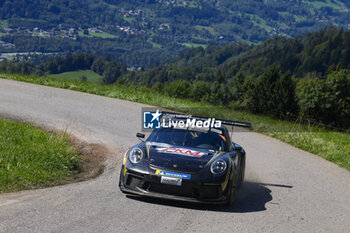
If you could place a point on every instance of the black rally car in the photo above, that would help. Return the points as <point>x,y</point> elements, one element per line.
<point>185,164</point>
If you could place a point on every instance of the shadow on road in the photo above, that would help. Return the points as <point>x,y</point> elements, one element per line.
<point>251,197</point>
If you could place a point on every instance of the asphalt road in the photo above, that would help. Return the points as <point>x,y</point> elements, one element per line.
<point>286,189</point>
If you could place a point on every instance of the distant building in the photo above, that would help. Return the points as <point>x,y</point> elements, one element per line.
<point>132,68</point>
<point>95,30</point>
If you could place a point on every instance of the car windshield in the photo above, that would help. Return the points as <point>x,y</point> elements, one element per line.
<point>180,137</point>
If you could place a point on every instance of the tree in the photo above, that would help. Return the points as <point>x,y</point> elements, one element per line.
<point>98,65</point>
<point>271,94</point>
<point>238,87</point>
<point>264,91</point>
<point>179,89</point>
<point>111,73</point>
<point>200,89</point>
<point>327,100</point>
<point>285,96</point>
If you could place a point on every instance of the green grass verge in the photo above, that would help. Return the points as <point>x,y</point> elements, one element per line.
<point>31,158</point>
<point>76,76</point>
<point>333,146</point>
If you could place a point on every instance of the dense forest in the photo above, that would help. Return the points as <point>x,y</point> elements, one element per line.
<point>308,55</point>
<point>141,33</point>
<point>306,78</point>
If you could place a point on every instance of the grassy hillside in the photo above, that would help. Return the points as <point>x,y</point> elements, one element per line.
<point>30,158</point>
<point>77,76</point>
<point>333,146</point>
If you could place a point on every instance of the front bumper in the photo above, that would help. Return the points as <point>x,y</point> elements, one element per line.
<point>190,191</point>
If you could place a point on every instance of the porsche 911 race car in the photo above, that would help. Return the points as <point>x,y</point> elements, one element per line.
<point>186,164</point>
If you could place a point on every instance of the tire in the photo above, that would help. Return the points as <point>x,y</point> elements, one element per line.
<point>121,176</point>
<point>241,173</point>
<point>232,192</point>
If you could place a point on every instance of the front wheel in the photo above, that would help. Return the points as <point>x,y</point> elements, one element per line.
<point>241,173</point>
<point>232,193</point>
<point>121,176</point>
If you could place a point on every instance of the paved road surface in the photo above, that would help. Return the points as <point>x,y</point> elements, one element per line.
<point>286,189</point>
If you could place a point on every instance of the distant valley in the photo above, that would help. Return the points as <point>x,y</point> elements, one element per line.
<point>141,33</point>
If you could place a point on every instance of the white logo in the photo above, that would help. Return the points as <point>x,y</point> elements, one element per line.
<point>157,119</point>
<point>151,120</point>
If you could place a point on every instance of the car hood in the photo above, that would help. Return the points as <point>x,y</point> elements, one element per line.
<point>178,158</point>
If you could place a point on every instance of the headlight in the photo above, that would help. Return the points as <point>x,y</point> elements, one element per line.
<point>136,155</point>
<point>218,166</point>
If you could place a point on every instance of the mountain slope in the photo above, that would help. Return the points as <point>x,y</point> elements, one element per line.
<point>311,53</point>
<point>162,25</point>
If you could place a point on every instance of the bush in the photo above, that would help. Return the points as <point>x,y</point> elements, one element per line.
<point>270,94</point>
<point>178,89</point>
<point>220,94</point>
<point>83,78</point>
<point>326,99</point>
<point>200,89</point>
<point>158,87</point>
<point>111,73</point>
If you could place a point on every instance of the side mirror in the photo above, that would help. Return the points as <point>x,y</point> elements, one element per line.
<point>140,136</point>
<point>236,147</point>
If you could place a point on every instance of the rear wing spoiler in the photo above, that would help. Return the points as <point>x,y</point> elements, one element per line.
<point>186,116</point>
